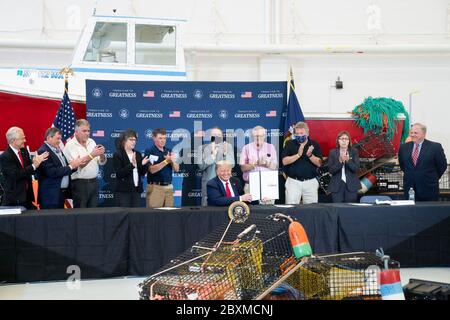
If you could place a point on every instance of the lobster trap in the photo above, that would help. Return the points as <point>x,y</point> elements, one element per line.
<point>349,276</point>
<point>374,151</point>
<point>248,260</point>
<point>237,261</point>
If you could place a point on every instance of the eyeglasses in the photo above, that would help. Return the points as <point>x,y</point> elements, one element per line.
<point>343,138</point>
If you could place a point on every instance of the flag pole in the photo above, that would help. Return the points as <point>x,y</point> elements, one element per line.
<point>66,71</point>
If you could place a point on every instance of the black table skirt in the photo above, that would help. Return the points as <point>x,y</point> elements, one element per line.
<point>113,242</point>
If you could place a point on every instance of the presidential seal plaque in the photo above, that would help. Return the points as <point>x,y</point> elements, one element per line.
<point>238,211</point>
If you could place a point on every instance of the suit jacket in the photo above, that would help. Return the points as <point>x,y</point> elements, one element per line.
<point>124,171</point>
<point>424,177</point>
<point>50,175</point>
<point>217,195</point>
<point>18,187</point>
<point>351,170</point>
<point>207,163</point>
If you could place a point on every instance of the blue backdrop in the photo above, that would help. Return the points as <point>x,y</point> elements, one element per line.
<point>187,110</point>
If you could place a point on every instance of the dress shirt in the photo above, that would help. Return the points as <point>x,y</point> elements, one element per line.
<point>250,154</point>
<point>73,149</point>
<point>229,186</point>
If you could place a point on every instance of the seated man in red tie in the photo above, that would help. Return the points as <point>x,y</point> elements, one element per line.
<point>223,190</point>
<point>17,169</point>
<point>423,163</point>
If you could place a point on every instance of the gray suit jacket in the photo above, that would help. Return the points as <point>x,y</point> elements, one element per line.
<point>207,163</point>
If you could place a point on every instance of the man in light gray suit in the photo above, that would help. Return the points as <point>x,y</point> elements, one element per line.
<point>209,155</point>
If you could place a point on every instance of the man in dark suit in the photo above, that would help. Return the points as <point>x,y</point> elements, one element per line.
<point>209,155</point>
<point>54,174</point>
<point>17,170</point>
<point>423,162</point>
<point>223,190</point>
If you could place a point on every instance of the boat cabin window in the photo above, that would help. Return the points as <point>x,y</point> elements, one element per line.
<point>155,45</point>
<point>108,43</point>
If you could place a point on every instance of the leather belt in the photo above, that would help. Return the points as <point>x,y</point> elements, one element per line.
<point>88,180</point>
<point>301,179</point>
<point>160,183</point>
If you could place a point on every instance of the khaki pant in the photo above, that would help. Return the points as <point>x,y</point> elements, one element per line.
<point>296,190</point>
<point>159,196</point>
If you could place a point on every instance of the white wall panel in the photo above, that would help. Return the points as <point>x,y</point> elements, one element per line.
<point>244,23</point>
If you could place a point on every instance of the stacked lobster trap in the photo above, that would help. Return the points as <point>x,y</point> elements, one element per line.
<point>374,152</point>
<point>247,260</point>
<point>234,262</point>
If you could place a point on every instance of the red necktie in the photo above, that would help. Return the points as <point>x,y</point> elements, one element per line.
<point>21,162</point>
<point>415,154</point>
<point>21,159</point>
<point>227,190</point>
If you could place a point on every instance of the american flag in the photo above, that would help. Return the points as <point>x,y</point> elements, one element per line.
<point>65,117</point>
<point>271,113</point>
<point>98,133</point>
<point>177,193</point>
<point>149,94</point>
<point>294,111</point>
<point>175,114</point>
<point>246,94</point>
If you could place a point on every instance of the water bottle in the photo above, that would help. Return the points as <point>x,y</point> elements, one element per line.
<point>411,194</point>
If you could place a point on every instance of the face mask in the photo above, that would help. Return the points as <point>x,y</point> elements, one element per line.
<point>301,139</point>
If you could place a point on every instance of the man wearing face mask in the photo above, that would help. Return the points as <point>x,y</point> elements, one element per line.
<point>209,155</point>
<point>258,156</point>
<point>301,157</point>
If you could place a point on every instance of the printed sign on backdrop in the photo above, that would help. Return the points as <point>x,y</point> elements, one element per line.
<point>188,111</point>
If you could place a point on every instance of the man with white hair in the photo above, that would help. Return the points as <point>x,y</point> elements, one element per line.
<point>258,156</point>
<point>18,168</point>
<point>423,163</point>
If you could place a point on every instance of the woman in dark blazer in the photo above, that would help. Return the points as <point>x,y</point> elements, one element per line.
<point>343,164</point>
<point>129,168</point>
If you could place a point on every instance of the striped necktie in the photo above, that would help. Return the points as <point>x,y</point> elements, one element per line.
<point>415,154</point>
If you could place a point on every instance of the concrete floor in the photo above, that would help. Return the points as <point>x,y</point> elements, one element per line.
<point>127,288</point>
